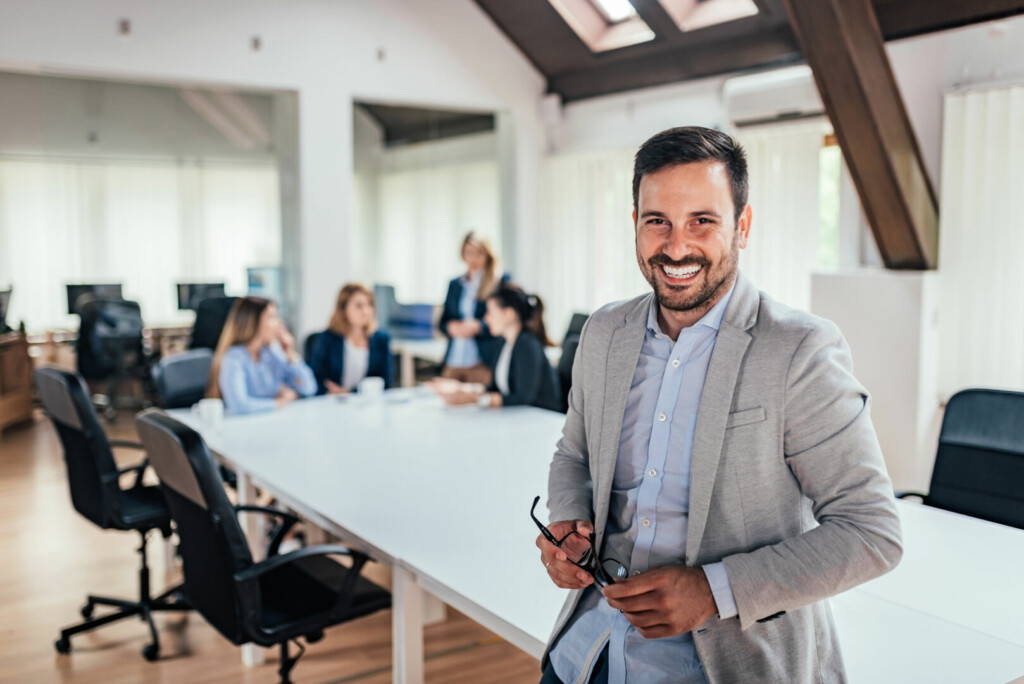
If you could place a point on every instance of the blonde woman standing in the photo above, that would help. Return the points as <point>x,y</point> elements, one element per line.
<point>471,346</point>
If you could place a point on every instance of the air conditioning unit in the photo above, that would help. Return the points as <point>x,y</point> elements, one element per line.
<point>776,95</point>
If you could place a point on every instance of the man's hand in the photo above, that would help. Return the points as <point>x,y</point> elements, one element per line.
<point>563,573</point>
<point>664,601</point>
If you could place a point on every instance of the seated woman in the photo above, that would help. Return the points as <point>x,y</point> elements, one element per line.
<point>352,348</point>
<point>256,367</point>
<point>522,374</point>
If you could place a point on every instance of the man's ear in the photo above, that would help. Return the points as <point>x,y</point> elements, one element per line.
<point>743,227</point>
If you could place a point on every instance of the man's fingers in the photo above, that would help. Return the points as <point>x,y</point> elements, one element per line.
<point>646,619</point>
<point>656,632</point>
<point>635,604</point>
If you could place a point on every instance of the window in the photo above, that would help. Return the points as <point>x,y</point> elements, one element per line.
<point>604,24</point>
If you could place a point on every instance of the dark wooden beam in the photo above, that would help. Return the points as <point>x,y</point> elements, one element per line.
<point>764,50</point>
<point>655,16</point>
<point>844,46</point>
<point>903,18</point>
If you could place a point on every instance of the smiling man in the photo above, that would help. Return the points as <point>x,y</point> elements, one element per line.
<point>719,450</point>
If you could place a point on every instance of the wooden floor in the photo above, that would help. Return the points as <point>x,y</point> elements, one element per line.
<point>50,558</point>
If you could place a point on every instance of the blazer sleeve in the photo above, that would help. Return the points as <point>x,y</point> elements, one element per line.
<point>570,489</point>
<point>450,311</point>
<point>525,372</point>
<point>318,362</point>
<point>830,447</point>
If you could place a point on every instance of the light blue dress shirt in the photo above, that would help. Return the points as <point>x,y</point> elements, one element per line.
<point>249,386</point>
<point>464,352</point>
<point>649,509</point>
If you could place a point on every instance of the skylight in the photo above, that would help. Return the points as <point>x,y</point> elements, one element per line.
<point>615,10</point>
<point>604,24</point>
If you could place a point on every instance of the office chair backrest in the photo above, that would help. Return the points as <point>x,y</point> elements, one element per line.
<point>92,471</point>
<point>576,324</point>
<point>181,379</point>
<point>979,467</point>
<point>211,315</point>
<point>108,331</point>
<point>213,547</point>
<point>569,346</point>
<point>309,344</point>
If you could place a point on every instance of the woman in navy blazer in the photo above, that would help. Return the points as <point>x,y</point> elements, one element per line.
<point>522,374</point>
<point>352,348</point>
<point>471,346</point>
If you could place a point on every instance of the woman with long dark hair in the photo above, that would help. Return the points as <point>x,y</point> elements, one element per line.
<point>256,367</point>
<point>521,372</point>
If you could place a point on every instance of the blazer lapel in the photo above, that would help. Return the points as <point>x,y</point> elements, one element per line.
<point>623,353</point>
<point>715,404</point>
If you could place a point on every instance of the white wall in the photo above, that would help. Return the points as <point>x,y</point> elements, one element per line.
<point>84,117</point>
<point>444,53</point>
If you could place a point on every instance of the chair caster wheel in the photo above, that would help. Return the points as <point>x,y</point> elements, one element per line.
<point>151,653</point>
<point>314,637</point>
<point>62,645</point>
<point>87,610</point>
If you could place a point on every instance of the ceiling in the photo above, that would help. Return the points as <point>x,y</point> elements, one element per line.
<point>575,72</point>
<point>405,125</point>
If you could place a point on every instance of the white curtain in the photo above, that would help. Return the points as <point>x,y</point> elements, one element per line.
<point>146,224</point>
<point>424,214</point>
<point>783,163</point>
<point>584,253</point>
<point>981,241</point>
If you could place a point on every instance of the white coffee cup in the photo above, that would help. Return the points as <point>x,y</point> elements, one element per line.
<point>211,412</point>
<point>372,387</point>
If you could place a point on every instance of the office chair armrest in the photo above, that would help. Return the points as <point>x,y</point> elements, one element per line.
<point>256,571</point>
<point>288,521</point>
<point>139,469</point>
<point>904,495</point>
<point>124,444</point>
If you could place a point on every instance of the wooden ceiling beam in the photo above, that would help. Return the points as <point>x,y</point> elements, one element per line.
<point>843,44</point>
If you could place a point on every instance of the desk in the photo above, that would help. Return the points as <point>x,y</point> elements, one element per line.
<point>406,479</point>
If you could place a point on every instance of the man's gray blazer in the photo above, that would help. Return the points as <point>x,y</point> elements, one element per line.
<point>787,487</point>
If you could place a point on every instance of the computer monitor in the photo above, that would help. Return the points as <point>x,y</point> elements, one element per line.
<point>5,301</point>
<point>190,294</point>
<point>108,291</point>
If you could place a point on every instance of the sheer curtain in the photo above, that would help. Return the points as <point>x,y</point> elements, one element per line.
<point>783,162</point>
<point>424,214</point>
<point>981,241</point>
<point>584,251</point>
<point>146,224</point>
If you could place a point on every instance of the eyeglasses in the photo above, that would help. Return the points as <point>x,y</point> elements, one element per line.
<point>580,551</point>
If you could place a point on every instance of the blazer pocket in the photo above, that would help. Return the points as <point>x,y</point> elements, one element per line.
<point>746,417</point>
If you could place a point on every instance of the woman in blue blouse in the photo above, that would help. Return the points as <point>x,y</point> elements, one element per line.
<point>471,346</point>
<point>352,348</point>
<point>256,367</point>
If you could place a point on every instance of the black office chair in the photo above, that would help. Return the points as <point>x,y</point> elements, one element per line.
<point>284,597</point>
<point>96,493</point>
<point>181,379</point>
<point>979,467</point>
<point>109,349</point>
<point>211,315</point>
<point>307,346</point>
<point>570,342</point>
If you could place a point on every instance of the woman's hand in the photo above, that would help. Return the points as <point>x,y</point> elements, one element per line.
<point>287,342</point>
<point>334,388</point>
<point>460,397</point>
<point>286,396</point>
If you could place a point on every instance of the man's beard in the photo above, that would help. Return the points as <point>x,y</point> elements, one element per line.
<point>714,278</point>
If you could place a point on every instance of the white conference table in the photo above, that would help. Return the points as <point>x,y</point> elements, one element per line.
<point>443,495</point>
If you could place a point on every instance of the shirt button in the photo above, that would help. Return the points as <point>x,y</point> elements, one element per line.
<point>675,363</point>
<point>662,417</point>
<point>646,522</point>
<point>652,472</point>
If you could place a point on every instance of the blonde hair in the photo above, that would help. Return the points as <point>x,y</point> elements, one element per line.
<point>242,324</point>
<point>490,276</point>
<point>339,323</point>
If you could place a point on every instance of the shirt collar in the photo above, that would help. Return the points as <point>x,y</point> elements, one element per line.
<point>712,319</point>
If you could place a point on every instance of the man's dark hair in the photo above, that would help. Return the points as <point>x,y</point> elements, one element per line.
<point>688,144</point>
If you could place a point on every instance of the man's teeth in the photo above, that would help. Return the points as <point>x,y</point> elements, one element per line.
<point>684,272</point>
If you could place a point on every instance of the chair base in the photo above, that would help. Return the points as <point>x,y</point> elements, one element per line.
<point>143,608</point>
<point>288,661</point>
